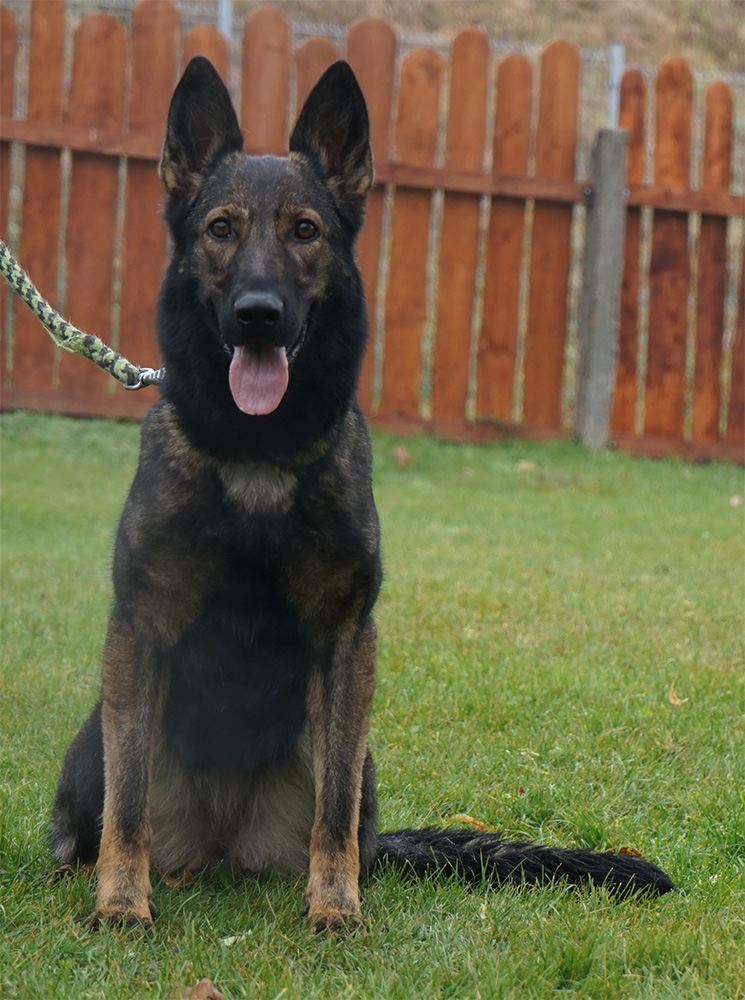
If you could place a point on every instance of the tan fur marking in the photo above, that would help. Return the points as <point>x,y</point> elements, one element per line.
<point>237,214</point>
<point>332,895</point>
<point>124,888</point>
<point>242,820</point>
<point>124,877</point>
<point>259,487</point>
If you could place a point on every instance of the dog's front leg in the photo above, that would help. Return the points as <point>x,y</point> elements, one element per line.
<point>339,708</point>
<point>129,704</point>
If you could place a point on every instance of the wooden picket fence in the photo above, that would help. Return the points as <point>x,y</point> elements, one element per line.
<point>468,251</point>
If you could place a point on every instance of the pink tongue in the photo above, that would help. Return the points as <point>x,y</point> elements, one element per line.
<point>258,378</point>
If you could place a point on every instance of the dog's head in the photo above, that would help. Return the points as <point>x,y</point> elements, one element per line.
<point>264,239</point>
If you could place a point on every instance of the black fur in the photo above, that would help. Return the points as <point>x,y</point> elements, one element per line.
<point>486,857</point>
<point>240,658</point>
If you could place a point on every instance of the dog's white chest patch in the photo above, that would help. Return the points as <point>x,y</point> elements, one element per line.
<point>259,487</point>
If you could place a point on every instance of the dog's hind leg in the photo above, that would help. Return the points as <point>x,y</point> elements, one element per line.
<point>130,697</point>
<point>75,830</point>
<point>338,706</point>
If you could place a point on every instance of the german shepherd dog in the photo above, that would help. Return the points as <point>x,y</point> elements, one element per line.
<point>239,662</point>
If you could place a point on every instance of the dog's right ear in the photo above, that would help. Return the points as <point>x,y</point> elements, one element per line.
<point>202,125</point>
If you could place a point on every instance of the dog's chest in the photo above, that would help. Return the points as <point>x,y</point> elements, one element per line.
<point>258,487</point>
<point>239,671</point>
<point>286,570</point>
<point>238,674</point>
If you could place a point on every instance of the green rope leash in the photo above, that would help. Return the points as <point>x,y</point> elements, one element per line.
<point>68,337</point>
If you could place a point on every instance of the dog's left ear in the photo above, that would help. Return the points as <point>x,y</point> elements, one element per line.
<point>333,126</point>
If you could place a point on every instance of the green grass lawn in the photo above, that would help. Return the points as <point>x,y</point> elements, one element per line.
<point>539,603</point>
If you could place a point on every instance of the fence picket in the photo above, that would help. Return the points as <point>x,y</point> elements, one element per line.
<point>669,271</point>
<point>371,52</point>
<point>156,27</point>
<point>8,52</point>
<point>497,348</point>
<point>312,58</point>
<point>556,142</point>
<point>712,267</point>
<point>33,351</point>
<point>265,87</point>
<point>422,77</point>
<point>207,40</point>
<point>156,35</point>
<point>459,240</point>
<point>95,100</point>
<point>631,117</point>
<point>690,379</point>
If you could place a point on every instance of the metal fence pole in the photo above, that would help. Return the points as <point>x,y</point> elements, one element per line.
<point>225,18</point>
<point>615,75</point>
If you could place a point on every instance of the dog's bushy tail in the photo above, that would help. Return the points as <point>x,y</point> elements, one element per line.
<point>484,856</point>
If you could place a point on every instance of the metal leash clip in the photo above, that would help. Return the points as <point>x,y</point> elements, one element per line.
<point>148,376</point>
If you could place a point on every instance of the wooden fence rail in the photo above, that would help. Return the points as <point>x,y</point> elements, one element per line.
<point>473,236</point>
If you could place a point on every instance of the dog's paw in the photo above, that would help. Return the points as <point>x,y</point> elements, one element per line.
<point>67,872</point>
<point>115,917</point>
<point>334,923</point>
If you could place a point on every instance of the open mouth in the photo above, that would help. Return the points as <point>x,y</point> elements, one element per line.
<point>260,373</point>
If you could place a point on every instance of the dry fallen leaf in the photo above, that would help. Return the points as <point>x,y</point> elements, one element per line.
<point>402,456</point>
<point>228,942</point>
<point>525,465</point>
<point>629,850</point>
<point>204,990</point>
<point>673,698</point>
<point>462,818</point>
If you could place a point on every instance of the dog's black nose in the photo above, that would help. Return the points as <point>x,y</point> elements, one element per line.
<point>258,312</point>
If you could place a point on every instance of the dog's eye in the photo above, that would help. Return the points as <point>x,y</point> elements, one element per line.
<point>220,229</point>
<point>306,230</point>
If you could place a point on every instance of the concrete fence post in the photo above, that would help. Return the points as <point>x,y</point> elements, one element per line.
<point>601,288</point>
